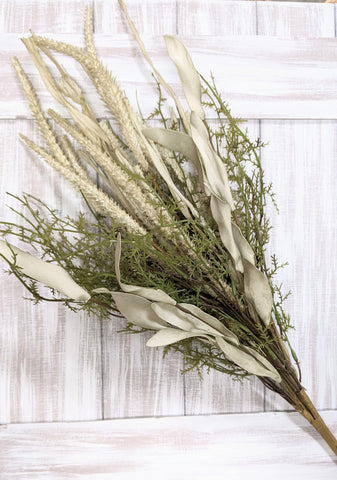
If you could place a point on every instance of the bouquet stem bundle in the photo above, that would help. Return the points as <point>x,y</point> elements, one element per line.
<point>181,206</point>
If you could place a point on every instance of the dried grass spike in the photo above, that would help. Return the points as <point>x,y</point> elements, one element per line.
<point>88,32</point>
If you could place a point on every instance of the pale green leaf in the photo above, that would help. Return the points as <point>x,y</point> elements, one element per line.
<point>186,206</point>
<point>173,316</point>
<point>191,321</point>
<point>248,359</point>
<point>274,373</point>
<point>215,173</point>
<point>137,310</point>
<point>187,73</point>
<point>153,294</point>
<point>257,291</point>
<point>176,141</point>
<point>101,290</point>
<point>47,273</point>
<point>211,321</point>
<point>221,213</point>
<point>245,249</point>
<point>167,336</point>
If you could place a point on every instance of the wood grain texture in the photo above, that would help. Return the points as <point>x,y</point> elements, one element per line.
<point>300,160</point>
<point>153,17</point>
<point>259,446</point>
<point>260,77</point>
<point>137,380</point>
<point>60,16</point>
<point>50,366</point>
<point>295,20</point>
<point>216,18</point>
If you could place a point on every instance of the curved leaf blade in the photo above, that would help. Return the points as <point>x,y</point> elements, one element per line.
<point>167,336</point>
<point>137,310</point>
<point>187,73</point>
<point>248,359</point>
<point>50,274</point>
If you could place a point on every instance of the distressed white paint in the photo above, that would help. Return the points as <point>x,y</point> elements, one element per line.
<point>50,366</point>
<point>261,77</point>
<point>61,16</point>
<point>153,17</point>
<point>256,446</point>
<point>301,162</point>
<point>57,366</point>
<point>216,18</point>
<point>305,193</point>
<point>295,20</point>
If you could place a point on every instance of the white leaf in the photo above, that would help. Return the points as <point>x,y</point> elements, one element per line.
<point>248,359</point>
<point>186,206</point>
<point>197,320</point>
<point>221,213</point>
<point>153,294</point>
<point>245,249</point>
<point>137,310</point>
<point>211,321</point>
<point>48,273</point>
<point>187,73</point>
<point>176,141</point>
<point>173,316</point>
<point>167,336</point>
<point>273,372</point>
<point>101,290</point>
<point>156,295</point>
<point>215,173</point>
<point>257,291</point>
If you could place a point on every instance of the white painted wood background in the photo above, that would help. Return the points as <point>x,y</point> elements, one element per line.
<point>276,65</point>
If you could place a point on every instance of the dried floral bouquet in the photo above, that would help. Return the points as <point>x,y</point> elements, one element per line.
<point>177,233</point>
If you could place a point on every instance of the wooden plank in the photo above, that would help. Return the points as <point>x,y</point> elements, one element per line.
<point>61,16</point>
<point>295,20</point>
<point>293,162</point>
<point>300,161</point>
<point>217,392</point>
<point>137,381</point>
<point>153,17</point>
<point>260,77</point>
<point>50,367</point>
<point>216,18</point>
<point>267,445</point>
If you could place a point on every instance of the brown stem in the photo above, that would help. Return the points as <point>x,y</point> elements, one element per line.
<point>300,401</point>
<point>291,390</point>
<point>310,413</point>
